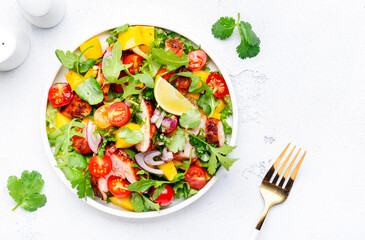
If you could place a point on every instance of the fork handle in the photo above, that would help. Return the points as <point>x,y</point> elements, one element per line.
<point>254,234</point>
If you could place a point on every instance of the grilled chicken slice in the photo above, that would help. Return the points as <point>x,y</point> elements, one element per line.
<point>182,83</point>
<point>100,187</point>
<point>80,143</point>
<point>175,45</point>
<point>215,132</point>
<point>105,90</point>
<point>148,129</point>
<point>77,108</point>
<point>122,166</point>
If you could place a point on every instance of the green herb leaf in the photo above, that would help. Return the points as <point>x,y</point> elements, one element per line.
<point>130,153</point>
<point>194,79</point>
<point>113,66</point>
<point>190,119</point>
<point>26,190</point>
<point>67,59</point>
<point>245,50</point>
<point>168,58</point>
<point>158,191</point>
<point>208,102</point>
<point>146,79</point>
<point>137,202</point>
<point>178,141</point>
<point>90,91</point>
<point>212,164</point>
<point>149,204</point>
<point>130,136</point>
<point>130,89</point>
<point>223,28</point>
<point>120,29</point>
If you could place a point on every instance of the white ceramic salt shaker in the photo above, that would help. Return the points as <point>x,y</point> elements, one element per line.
<point>14,48</point>
<point>43,13</point>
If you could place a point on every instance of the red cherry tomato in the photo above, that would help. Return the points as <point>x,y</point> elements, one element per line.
<point>136,61</point>
<point>118,114</point>
<point>100,166</point>
<point>166,76</point>
<point>195,177</point>
<point>118,186</point>
<point>166,196</point>
<point>60,94</point>
<point>218,84</point>
<point>197,60</point>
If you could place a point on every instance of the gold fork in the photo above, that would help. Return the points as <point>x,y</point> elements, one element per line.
<point>275,192</point>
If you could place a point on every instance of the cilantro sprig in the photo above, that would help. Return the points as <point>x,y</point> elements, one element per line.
<point>250,43</point>
<point>26,190</point>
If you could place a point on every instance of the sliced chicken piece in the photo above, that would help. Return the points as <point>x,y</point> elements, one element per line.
<point>175,45</point>
<point>182,83</point>
<point>215,132</point>
<point>77,108</point>
<point>100,187</point>
<point>122,166</point>
<point>148,129</point>
<point>80,143</point>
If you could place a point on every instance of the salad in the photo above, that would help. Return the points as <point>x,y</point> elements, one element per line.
<point>139,119</point>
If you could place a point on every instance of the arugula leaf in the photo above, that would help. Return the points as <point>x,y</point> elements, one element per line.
<point>130,136</point>
<point>172,61</point>
<point>75,62</point>
<point>110,40</point>
<point>130,89</point>
<point>223,28</point>
<point>113,66</point>
<point>194,79</point>
<point>26,190</point>
<point>148,94</point>
<point>190,119</point>
<point>108,135</point>
<point>120,29</point>
<point>90,91</point>
<point>178,141</point>
<point>158,191</point>
<point>146,79</point>
<point>130,153</point>
<point>144,184</point>
<point>208,102</point>
<point>84,66</point>
<point>250,43</point>
<point>67,59</point>
<point>51,116</point>
<point>160,38</point>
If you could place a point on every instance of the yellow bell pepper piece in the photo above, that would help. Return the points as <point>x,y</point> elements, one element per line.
<point>135,36</point>
<point>218,109</point>
<point>93,52</point>
<point>73,79</point>
<point>123,202</point>
<point>61,120</point>
<point>169,170</point>
<point>120,142</point>
<point>203,76</point>
<point>194,96</point>
<point>91,72</point>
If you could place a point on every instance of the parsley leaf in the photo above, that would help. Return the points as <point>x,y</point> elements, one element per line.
<point>90,91</point>
<point>178,141</point>
<point>26,190</point>
<point>250,43</point>
<point>190,119</point>
<point>113,66</point>
<point>130,136</point>
<point>172,61</point>
<point>223,28</point>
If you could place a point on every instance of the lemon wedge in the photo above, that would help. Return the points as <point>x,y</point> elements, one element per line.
<point>170,99</point>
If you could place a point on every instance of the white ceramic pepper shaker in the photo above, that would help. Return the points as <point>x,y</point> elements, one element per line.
<point>14,48</point>
<point>43,13</point>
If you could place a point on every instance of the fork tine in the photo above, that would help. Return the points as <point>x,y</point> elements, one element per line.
<point>275,165</point>
<point>288,169</point>
<point>282,167</point>
<point>294,174</point>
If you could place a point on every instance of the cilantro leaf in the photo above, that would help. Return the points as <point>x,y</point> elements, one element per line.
<point>178,141</point>
<point>113,66</point>
<point>90,91</point>
<point>137,202</point>
<point>223,28</point>
<point>131,136</point>
<point>212,164</point>
<point>172,61</point>
<point>190,119</point>
<point>208,102</point>
<point>120,29</point>
<point>194,79</point>
<point>245,30</point>
<point>26,190</point>
<point>245,50</point>
<point>149,204</point>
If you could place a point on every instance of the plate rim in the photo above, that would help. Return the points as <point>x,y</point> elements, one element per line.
<point>127,214</point>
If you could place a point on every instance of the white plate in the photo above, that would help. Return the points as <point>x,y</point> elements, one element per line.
<point>109,207</point>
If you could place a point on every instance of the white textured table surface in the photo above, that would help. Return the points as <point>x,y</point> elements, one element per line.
<point>306,86</point>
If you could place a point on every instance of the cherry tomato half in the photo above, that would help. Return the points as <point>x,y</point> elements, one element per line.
<point>136,61</point>
<point>166,196</point>
<point>166,76</point>
<point>195,177</point>
<point>118,114</point>
<point>100,166</point>
<point>60,94</point>
<point>218,84</point>
<point>118,186</point>
<point>101,117</point>
<point>197,60</point>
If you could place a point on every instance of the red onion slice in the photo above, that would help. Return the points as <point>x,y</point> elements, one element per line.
<point>166,155</point>
<point>140,161</point>
<point>158,117</point>
<point>93,141</point>
<point>148,158</point>
<point>169,123</point>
